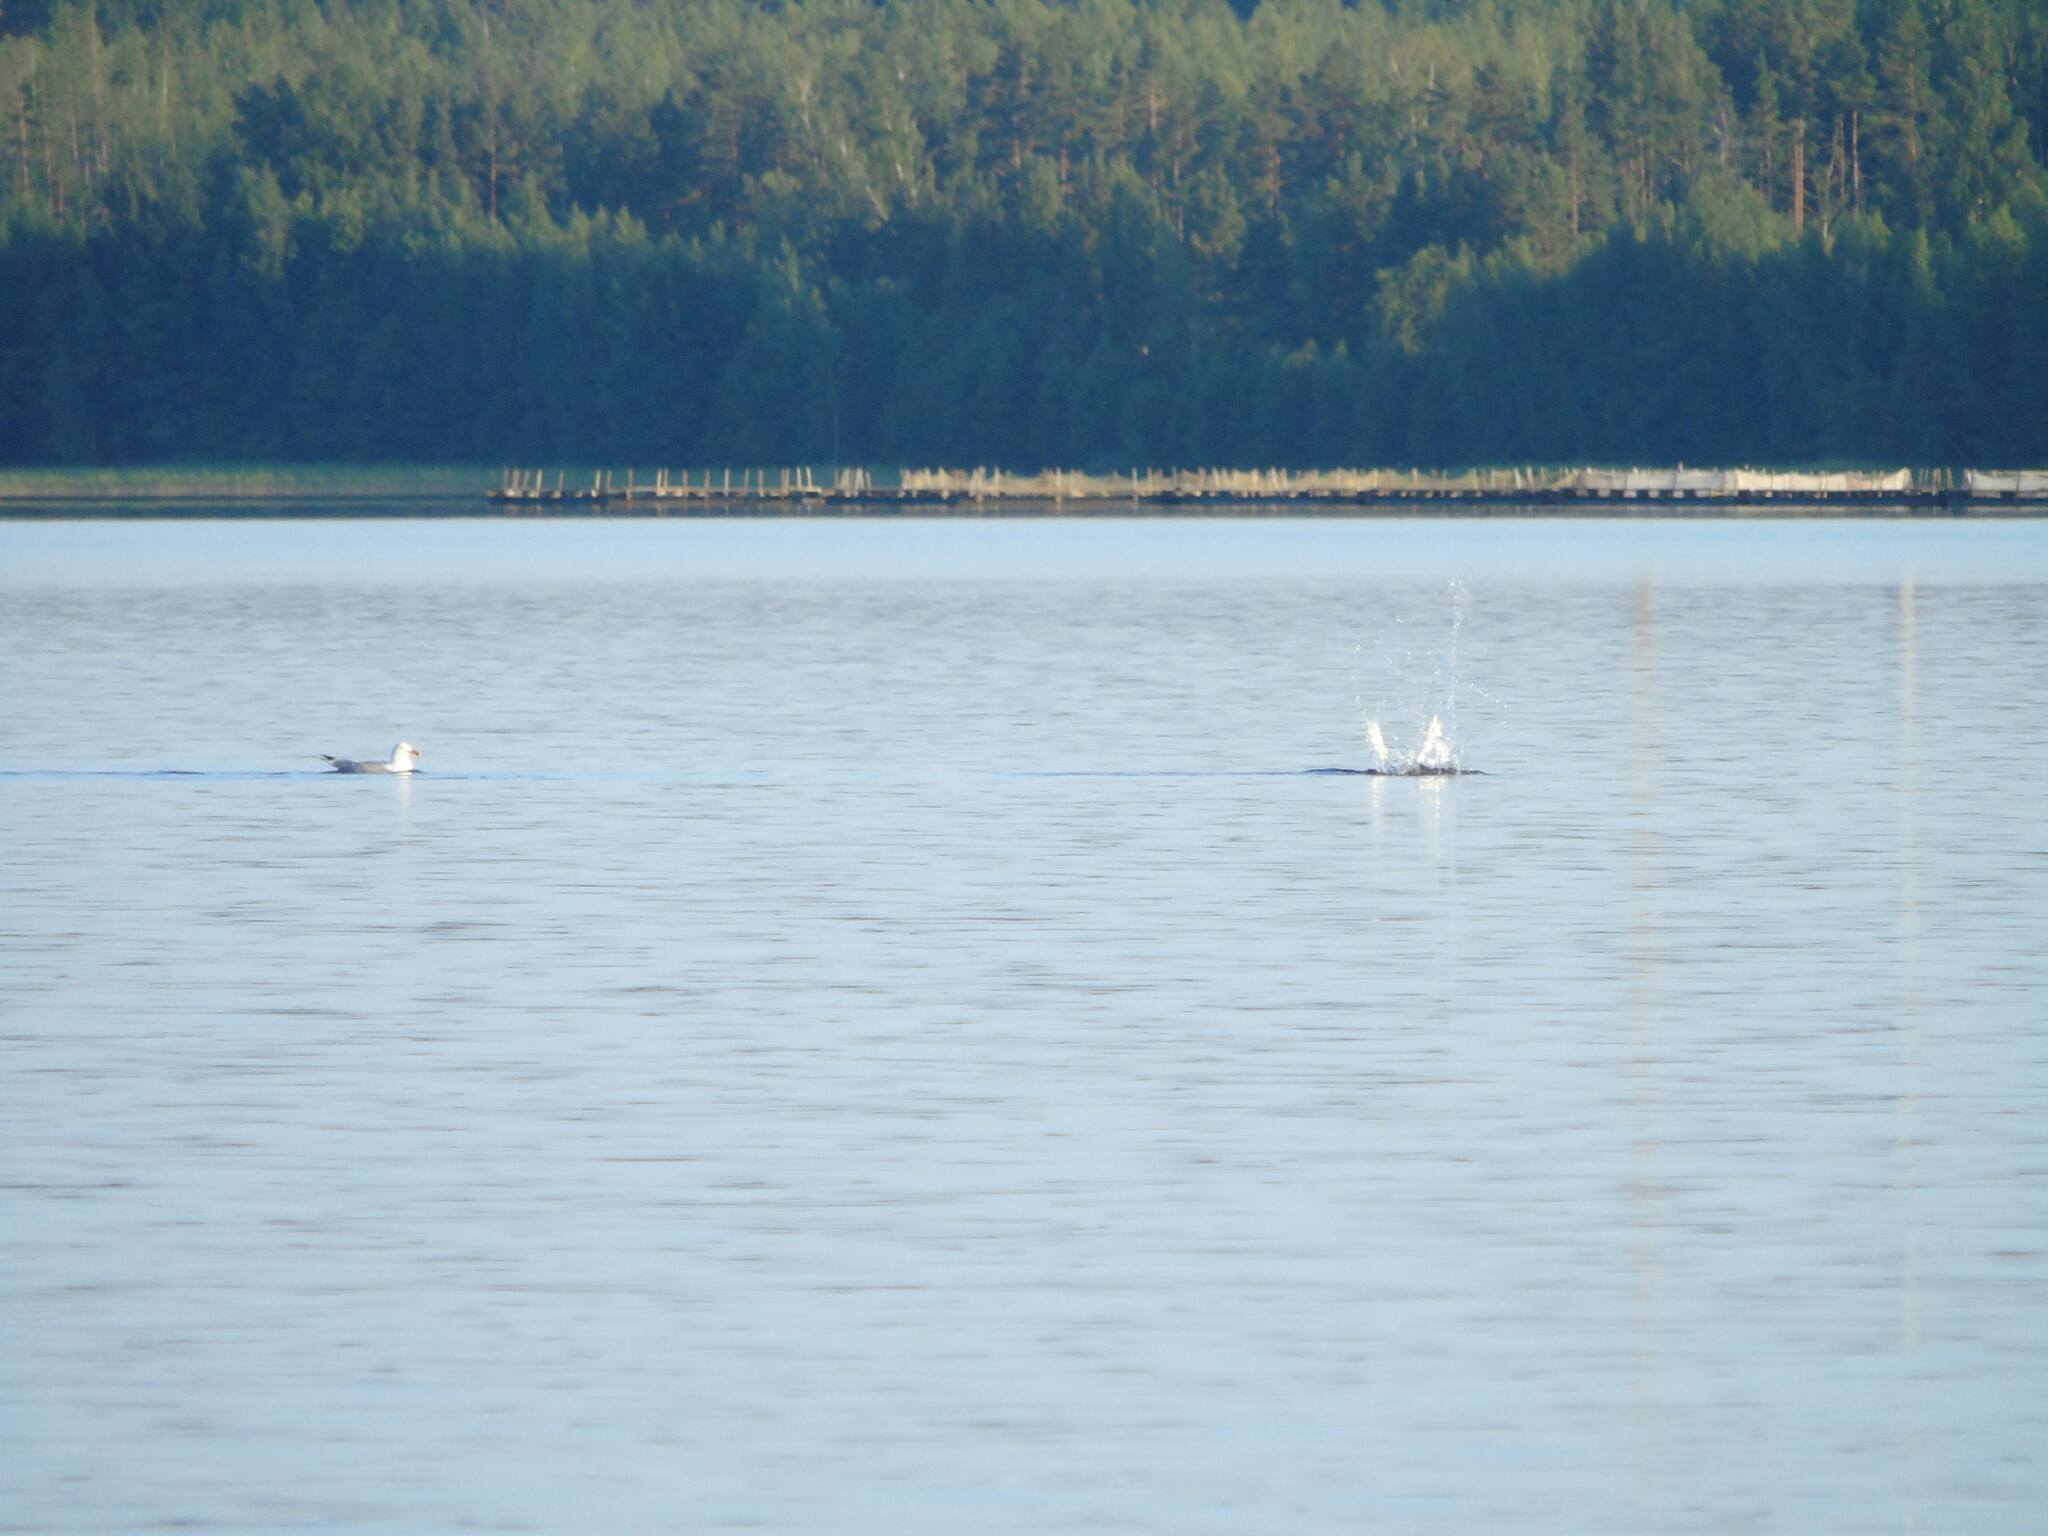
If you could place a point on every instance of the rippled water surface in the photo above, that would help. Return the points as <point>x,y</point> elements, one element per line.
<point>876,1028</point>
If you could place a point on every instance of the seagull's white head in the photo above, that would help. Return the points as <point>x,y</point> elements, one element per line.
<point>404,757</point>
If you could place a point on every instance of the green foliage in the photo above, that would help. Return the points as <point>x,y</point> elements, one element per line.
<point>1022,231</point>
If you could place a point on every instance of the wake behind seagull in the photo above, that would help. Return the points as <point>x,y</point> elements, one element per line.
<point>404,757</point>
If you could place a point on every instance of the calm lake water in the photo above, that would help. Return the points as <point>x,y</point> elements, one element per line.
<point>877,1027</point>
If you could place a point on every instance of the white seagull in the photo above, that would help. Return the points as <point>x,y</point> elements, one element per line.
<point>404,757</point>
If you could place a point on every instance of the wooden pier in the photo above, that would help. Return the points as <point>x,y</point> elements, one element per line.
<point>1679,490</point>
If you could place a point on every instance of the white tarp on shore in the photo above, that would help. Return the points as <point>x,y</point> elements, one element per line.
<point>1736,482</point>
<point>2007,482</point>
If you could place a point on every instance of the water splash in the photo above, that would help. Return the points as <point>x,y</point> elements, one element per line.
<point>1435,735</point>
<point>1435,751</point>
<point>1434,755</point>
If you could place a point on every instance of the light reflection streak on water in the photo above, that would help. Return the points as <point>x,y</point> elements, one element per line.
<point>1645,1053</point>
<point>1911,1031</point>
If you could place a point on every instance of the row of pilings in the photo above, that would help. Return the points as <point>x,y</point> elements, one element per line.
<point>855,487</point>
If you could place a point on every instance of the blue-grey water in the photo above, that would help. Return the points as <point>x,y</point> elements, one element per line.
<point>874,1027</point>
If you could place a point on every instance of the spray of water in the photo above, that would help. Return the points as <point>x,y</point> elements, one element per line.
<point>1436,722</point>
<point>1434,754</point>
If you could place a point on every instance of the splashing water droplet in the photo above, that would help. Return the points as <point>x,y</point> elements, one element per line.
<point>1435,751</point>
<point>1436,755</point>
<point>1424,679</point>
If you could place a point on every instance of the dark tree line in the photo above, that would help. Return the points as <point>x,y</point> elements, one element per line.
<point>1024,231</point>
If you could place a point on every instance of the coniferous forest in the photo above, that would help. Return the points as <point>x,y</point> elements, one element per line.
<point>1020,232</point>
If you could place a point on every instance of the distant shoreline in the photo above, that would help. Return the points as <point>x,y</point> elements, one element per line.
<point>446,507</point>
<point>315,491</point>
<point>245,482</point>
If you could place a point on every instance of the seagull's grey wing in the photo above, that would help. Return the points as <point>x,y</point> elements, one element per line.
<point>345,764</point>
